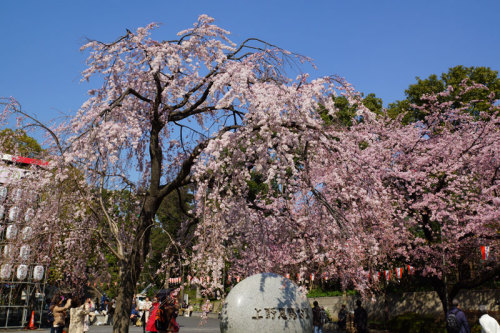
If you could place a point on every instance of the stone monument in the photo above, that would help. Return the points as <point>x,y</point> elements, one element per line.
<point>266,302</point>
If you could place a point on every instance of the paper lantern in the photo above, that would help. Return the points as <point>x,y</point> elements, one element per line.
<point>13,213</point>
<point>3,193</point>
<point>38,273</point>
<point>485,252</point>
<point>11,232</point>
<point>27,233</point>
<point>24,252</point>
<point>399,272</point>
<point>287,275</point>
<point>312,276</point>
<point>22,271</point>
<point>387,274</point>
<point>8,251</point>
<point>411,270</point>
<point>5,271</point>
<point>30,212</point>
<point>18,193</point>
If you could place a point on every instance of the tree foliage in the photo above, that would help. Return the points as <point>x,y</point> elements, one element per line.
<point>456,78</point>
<point>17,142</point>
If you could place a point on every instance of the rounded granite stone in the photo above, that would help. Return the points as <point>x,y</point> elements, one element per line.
<point>266,302</point>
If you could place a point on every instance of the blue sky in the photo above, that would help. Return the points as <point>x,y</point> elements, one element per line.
<point>380,46</point>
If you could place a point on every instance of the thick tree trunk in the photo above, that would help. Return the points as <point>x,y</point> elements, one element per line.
<point>444,299</point>
<point>129,272</point>
<point>121,317</point>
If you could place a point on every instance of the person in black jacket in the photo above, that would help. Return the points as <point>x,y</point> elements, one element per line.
<point>342,323</point>
<point>360,318</point>
<point>317,323</point>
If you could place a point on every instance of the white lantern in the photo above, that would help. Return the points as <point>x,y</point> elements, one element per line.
<point>27,233</point>
<point>2,212</point>
<point>5,271</point>
<point>24,252</point>
<point>22,271</point>
<point>8,251</point>
<point>3,193</point>
<point>30,212</point>
<point>11,232</point>
<point>13,213</point>
<point>18,193</point>
<point>38,273</point>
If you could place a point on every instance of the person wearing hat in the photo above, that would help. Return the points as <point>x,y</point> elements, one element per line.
<point>488,323</point>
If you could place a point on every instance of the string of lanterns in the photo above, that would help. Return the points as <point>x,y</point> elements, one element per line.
<point>375,276</point>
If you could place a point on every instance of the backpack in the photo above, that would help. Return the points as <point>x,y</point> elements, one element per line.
<point>452,323</point>
<point>324,317</point>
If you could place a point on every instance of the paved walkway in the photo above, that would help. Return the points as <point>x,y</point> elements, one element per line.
<point>188,325</point>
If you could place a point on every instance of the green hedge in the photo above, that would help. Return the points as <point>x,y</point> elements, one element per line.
<point>318,292</point>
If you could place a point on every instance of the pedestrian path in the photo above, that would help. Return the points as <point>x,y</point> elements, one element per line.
<point>188,325</point>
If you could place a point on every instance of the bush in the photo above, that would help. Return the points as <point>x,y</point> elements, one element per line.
<point>318,292</point>
<point>415,323</point>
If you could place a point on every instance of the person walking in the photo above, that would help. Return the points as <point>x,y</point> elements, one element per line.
<point>89,308</point>
<point>59,312</point>
<point>342,323</point>
<point>150,323</point>
<point>145,306</point>
<point>456,322</point>
<point>77,315</point>
<point>487,322</point>
<point>166,313</point>
<point>317,323</point>
<point>360,318</point>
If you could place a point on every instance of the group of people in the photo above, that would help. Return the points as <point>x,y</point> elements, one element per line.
<point>456,321</point>
<point>159,315</point>
<point>63,310</point>
<point>76,315</point>
<point>320,317</point>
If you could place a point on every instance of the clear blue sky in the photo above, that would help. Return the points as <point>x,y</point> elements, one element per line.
<point>380,46</point>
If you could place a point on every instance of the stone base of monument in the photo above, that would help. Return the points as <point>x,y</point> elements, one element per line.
<point>266,302</point>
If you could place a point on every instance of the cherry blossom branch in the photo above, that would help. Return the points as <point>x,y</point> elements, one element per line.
<point>185,170</point>
<point>113,225</point>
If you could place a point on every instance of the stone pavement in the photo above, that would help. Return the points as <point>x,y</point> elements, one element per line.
<point>188,325</point>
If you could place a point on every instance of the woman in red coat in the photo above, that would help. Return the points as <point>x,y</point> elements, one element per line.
<point>150,325</point>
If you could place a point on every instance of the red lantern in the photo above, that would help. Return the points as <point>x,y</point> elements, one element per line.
<point>485,252</point>
<point>399,272</point>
